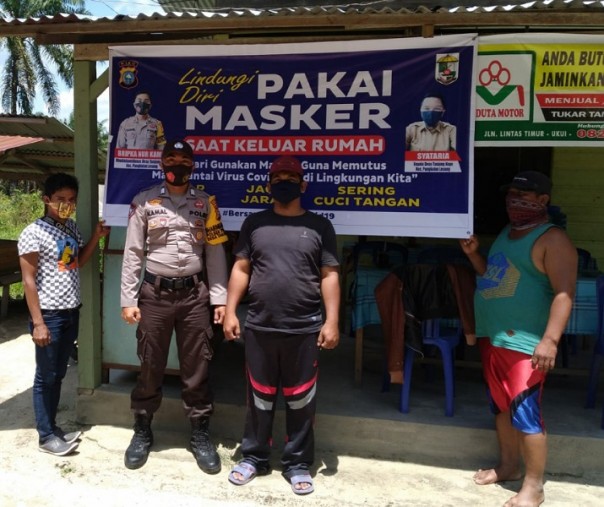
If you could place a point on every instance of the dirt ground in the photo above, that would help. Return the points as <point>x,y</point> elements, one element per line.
<point>95,474</point>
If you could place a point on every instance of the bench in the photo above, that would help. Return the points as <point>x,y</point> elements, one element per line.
<point>6,280</point>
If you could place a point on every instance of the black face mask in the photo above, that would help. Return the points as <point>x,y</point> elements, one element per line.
<point>178,175</point>
<point>285,191</point>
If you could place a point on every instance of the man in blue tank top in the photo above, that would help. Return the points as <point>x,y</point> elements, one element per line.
<point>524,296</point>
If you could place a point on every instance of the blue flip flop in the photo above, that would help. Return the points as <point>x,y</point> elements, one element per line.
<point>247,472</point>
<point>301,477</point>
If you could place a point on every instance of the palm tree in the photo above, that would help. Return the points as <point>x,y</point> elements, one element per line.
<point>29,65</point>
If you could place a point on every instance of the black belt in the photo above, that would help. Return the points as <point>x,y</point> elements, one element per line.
<point>61,310</point>
<point>185,282</point>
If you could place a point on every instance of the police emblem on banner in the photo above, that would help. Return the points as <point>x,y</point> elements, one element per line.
<point>446,69</point>
<point>128,74</point>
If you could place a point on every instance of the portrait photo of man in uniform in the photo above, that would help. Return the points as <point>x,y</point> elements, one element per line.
<point>431,133</point>
<point>141,130</point>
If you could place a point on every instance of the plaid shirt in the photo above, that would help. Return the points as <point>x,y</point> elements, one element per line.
<point>58,276</point>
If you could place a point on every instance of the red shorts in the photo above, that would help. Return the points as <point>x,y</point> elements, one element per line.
<point>513,385</point>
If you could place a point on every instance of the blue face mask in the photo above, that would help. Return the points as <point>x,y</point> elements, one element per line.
<point>431,118</point>
<point>142,107</point>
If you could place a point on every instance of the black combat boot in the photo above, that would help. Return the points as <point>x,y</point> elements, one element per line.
<point>140,445</point>
<point>201,447</point>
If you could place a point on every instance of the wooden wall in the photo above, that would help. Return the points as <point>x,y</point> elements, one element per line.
<point>578,188</point>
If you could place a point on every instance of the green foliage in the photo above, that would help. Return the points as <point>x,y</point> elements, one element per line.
<point>16,211</point>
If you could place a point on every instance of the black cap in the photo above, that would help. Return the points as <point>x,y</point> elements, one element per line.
<point>533,181</point>
<point>177,146</point>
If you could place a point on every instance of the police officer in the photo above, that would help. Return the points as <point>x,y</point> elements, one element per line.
<point>141,130</point>
<point>172,228</point>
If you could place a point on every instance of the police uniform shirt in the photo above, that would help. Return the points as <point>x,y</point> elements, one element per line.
<point>171,236</point>
<point>142,133</point>
<point>57,277</point>
<point>440,138</point>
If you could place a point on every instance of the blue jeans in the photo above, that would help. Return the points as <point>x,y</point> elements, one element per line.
<point>51,366</point>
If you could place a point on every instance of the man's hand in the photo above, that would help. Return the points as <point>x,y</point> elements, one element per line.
<point>101,230</point>
<point>219,314</point>
<point>231,327</point>
<point>329,336</point>
<point>544,356</point>
<point>131,314</point>
<point>469,245</point>
<point>41,335</point>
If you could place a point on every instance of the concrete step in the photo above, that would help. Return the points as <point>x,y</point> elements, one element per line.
<point>365,422</point>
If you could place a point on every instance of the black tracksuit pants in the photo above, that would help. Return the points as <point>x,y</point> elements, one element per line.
<point>288,362</point>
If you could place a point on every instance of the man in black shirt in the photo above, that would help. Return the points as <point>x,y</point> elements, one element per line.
<point>287,257</point>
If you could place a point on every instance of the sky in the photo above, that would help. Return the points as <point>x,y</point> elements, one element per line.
<point>111,8</point>
<point>100,8</point>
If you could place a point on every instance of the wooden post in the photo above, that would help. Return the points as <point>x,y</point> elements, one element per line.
<point>86,170</point>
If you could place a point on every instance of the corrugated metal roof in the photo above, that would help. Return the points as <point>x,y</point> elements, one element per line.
<point>407,6</point>
<point>192,9</point>
<point>11,142</point>
<point>32,147</point>
<point>34,126</point>
<point>354,20</point>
